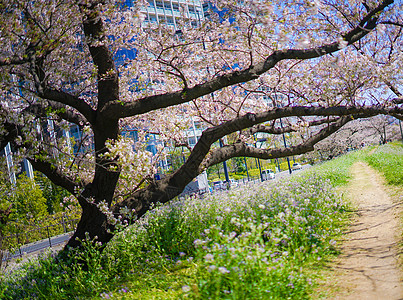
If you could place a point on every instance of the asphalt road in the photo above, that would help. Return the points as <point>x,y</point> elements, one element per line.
<point>37,246</point>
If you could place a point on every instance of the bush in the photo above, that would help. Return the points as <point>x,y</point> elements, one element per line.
<point>27,206</point>
<point>54,194</point>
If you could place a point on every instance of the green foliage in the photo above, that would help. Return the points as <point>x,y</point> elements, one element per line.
<point>25,197</point>
<point>29,220</point>
<point>27,206</point>
<point>28,201</point>
<point>5,191</point>
<point>32,230</point>
<point>387,159</point>
<point>54,194</point>
<point>176,157</point>
<point>253,168</point>
<point>244,267</point>
<point>257,252</point>
<point>52,277</point>
<point>238,164</point>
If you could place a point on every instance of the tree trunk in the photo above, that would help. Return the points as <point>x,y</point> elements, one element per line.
<point>93,225</point>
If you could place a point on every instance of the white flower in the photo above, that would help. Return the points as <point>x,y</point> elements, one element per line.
<point>198,242</point>
<point>209,257</point>
<point>186,288</point>
<point>211,268</point>
<point>342,43</point>
<point>223,270</point>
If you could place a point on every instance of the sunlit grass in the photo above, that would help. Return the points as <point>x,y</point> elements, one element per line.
<point>267,241</point>
<point>388,159</point>
<point>247,243</point>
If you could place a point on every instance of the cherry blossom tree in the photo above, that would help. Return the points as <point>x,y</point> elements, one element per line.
<point>314,65</point>
<point>357,134</point>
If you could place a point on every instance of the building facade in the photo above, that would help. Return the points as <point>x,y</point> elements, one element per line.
<point>171,11</point>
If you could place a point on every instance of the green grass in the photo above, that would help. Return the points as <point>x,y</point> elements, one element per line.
<point>232,245</point>
<point>388,159</point>
<point>264,242</point>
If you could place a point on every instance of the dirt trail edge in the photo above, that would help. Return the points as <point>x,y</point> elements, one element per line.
<point>368,265</point>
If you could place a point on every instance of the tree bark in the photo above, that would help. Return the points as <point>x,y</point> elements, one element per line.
<point>94,225</point>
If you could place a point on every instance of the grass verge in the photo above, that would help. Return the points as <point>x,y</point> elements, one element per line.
<point>388,159</point>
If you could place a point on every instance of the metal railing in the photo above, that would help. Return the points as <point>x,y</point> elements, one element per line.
<point>32,238</point>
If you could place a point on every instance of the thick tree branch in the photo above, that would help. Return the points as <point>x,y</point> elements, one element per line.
<point>70,100</point>
<point>47,93</point>
<point>11,132</point>
<point>108,78</point>
<point>67,113</point>
<point>55,175</point>
<point>398,116</point>
<point>59,96</point>
<point>147,104</point>
<point>11,61</point>
<point>164,190</point>
<point>242,149</point>
<point>41,110</point>
<point>287,129</point>
<point>394,89</point>
<point>398,100</point>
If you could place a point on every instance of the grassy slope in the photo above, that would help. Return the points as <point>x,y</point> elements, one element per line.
<point>203,248</point>
<point>389,161</point>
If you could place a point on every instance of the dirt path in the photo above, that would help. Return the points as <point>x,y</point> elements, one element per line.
<point>368,265</point>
